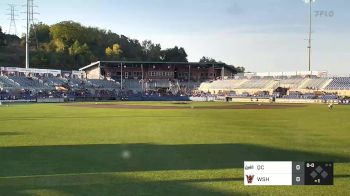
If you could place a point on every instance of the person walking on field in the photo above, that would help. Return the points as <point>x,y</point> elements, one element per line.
<point>330,106</point>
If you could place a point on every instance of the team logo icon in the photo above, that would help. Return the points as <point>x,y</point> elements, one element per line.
<point>250,178</point>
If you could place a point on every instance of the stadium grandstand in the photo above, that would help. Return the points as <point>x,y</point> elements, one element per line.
<point>118,80</point>
<point>307,85</point>
<point>163,79</point>
<point>136,76</point>
<point>31,84</point>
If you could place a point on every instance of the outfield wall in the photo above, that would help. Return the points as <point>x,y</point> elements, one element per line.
<point>252,100</point>
<point>202,99</point>
<point>310,101</point>
<point>50,100</point>
<point>280,100</point>
<point>18,101</point>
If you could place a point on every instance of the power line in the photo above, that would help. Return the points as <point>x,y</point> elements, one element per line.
<point>12,27</point>
<point>32,11</point>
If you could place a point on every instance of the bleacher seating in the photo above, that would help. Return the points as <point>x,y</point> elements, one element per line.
<point>159,84</point>
<point>227,84</point>
<point>297,96</point>
<point>7,83</point>
<point>291,83</point>
<point>189,84</point>
<point>339,83</point>
<point>134,85</point>
<point>328,97</point>
<point>314,83</point>
<point>78,83</point>
<point>270,83</point>
<point>296,86</point>
<point>104,84</point>
<point>28,83</point>
<point>55,81</point>
<point>256,84</point>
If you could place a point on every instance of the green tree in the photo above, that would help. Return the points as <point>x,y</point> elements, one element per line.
<point>175,54</point>
<point>152,52</point>
<point>70,45</point>
<point>114,52</point>
<point>40,32</point>
<point>207,60</point>
<point>80,52</point>
<point>40,59</point>
<point>67,33</point>
<point>240,69</point>
<point>48,47</point>
<point>77,49</point>
<point>59,46</point>
<point>2,38</point>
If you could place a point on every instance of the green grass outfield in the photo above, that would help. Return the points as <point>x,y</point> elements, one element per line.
<point>50,149</point>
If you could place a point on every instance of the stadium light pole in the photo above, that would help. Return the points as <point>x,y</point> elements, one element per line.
<point>121,77</point>
<point>213,71</point>
<point>222,73</point>
<point>142,78</point>
<point>310,30</point>
<point>198,74</point>
<point>27,36</point>
<point>189,76</point>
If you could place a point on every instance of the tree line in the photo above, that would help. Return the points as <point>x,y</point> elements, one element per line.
<point>70,45</point>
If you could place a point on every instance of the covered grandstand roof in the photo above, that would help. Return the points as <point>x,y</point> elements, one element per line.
<point>114,63</point>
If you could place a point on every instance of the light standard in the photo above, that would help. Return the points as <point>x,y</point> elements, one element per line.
<point>142,78</point>
<point>198,74</point>
<point>27,36</point>
<point>310,30</point>
<point>121,76</point>
<point>189,76</point>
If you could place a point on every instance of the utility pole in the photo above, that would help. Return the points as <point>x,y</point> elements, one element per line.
<point>12,28</point>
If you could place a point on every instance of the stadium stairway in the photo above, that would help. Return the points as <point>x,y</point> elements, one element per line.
<point>324,86</point>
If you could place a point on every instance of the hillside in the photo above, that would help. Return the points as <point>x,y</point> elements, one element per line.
<point>69,45</point>
<point>10,51</point>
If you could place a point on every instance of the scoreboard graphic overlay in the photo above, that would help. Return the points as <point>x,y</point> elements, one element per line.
<point>287,173</point>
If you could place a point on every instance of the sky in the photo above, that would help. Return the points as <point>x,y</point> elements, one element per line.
<point>261,35</point>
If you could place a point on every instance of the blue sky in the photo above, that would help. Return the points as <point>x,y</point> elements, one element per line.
<point>261,35</point>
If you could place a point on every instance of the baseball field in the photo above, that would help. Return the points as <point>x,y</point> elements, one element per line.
<point>141,148</point>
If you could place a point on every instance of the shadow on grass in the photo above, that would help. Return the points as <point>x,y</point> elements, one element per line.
<point>85,168</point>
<point>11,133</point>
<point>81,117</point>
<point>105,185</point>
<point>42,160</point>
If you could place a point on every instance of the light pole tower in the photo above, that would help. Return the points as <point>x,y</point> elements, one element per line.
<point>310,30</point>
<point>27,34</point>
<point>30,21</point>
